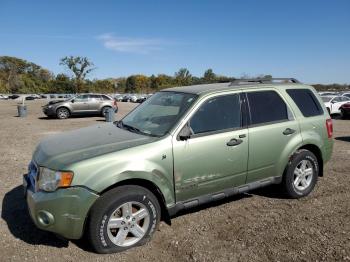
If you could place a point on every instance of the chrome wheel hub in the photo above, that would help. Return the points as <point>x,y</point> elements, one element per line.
<point>63,113</point>
<point>303,175</point>
<point>128,224</point>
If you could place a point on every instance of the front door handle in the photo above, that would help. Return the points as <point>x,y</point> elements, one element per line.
<point>234,142</point>
<point>288,131</point>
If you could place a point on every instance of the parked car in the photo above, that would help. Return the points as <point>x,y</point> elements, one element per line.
<point>184,147</point>
<point>118,98</point>
<point>333,103</point>
<point>13,96</point>
<point>141,99</point>
<point>80,105</point>
<point>4,97</point>
<point>30,97</point>
<point>328,93</point>
<point>129,98</point>
<point>347,94</point>
<point>345,110</point>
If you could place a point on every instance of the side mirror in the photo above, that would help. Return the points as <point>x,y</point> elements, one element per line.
<point>72,101</point>
<point>185,133</point>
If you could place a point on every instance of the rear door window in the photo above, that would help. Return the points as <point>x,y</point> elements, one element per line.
<point>104,97</point>
<point>306,102</point>
<point>95,97</point>
<point>267,107</point>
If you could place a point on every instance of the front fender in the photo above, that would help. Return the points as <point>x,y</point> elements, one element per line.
<point>152,162</point>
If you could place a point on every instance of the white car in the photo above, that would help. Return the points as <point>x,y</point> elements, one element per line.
<point>3,97</point>
<point>328,93</point>
<point>333,103</point>
<point>347,94</point>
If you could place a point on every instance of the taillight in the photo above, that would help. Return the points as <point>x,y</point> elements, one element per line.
<point>329,125</point>
<point>115,103</point>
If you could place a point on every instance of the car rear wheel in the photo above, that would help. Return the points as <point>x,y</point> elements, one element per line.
<point>62,113</point>
<point>104,110</point>
<point>123,218</point>
<point>342,114</point>
<point>301,174</point>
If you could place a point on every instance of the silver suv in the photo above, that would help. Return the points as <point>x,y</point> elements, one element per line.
<point>80,104</point>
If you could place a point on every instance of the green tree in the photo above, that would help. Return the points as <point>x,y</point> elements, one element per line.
<point>62,84</point>
<point>209,76</point>
<point>80,67</point>
<point>183,77</point>
<point>137,84</point>
<point>161,81</point>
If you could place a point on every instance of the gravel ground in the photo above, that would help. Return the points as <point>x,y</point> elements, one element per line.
<point>259,226</point>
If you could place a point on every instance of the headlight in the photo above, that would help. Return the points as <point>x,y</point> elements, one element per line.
<point>50,180</point>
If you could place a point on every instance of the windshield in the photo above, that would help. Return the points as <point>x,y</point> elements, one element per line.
<point>326,98</point>
<point>158,114</point>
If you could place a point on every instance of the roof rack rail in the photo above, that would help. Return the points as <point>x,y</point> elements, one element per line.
<point>264,80</point>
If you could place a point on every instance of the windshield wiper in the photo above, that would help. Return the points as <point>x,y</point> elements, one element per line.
<point>120,124</point>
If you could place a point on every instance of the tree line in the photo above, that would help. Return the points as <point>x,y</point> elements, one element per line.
<point>24,77</point>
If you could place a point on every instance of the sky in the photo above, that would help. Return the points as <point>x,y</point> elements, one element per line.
<point>308,40</point>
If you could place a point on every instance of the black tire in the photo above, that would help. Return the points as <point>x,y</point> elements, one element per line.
<point>104,110</point>
<point>106,206</point>
<point>62,113</point>
<point>288,181</point>
<point>342,114</point>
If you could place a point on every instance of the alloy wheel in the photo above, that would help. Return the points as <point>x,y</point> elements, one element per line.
<point>303,174</point>
<point>128,224</point>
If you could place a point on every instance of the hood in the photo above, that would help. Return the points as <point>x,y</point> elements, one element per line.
<point>55,102</point>
<point>58,151</point>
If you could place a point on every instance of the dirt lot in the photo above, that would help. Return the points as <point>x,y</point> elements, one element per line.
<point>259,226</point>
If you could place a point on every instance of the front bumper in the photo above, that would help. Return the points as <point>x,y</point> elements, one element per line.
<point>49,111</point>
<point>63,211</point>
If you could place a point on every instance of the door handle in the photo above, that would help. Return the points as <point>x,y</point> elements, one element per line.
<point>234,142</point>
<point>288,131</point>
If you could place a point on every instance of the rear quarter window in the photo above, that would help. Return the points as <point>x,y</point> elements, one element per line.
<point>104,97</point>
<point>306,102</point>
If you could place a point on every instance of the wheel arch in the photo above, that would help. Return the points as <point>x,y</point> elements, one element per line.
<point>317,152</point>
<point>63,106</point>
<point>165,216</point>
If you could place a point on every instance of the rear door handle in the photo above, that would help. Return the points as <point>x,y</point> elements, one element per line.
<point>288,131</point>
<point>234,142</point>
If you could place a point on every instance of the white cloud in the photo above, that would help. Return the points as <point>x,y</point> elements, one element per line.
<point>131,45</point>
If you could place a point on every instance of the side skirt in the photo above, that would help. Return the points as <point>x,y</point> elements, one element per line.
<point>194,202</point>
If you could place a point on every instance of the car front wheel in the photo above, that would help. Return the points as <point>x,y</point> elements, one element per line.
<point>123,218</point>
<point>62,113</point>
<point>301,174</point>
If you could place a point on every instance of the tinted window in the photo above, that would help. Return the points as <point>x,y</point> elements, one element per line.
<point>216,114</point>
<point>325,98</point>
<point>105,97</point>
<point>266,106</point>
<point>306,101</point>
<point>95,97</point>
<point>81,98</point>
<point>336,99</point>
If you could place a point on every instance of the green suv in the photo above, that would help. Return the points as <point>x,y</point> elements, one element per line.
<point>182,147</point>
